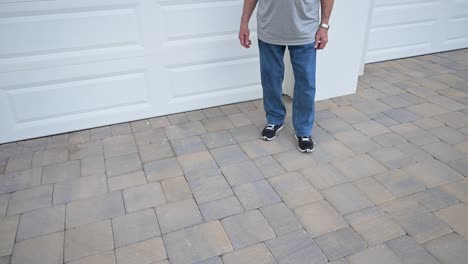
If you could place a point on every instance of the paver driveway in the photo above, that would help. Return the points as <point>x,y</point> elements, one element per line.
<point>386,184</point>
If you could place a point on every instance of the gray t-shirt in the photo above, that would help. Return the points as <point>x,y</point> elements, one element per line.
<point>287,22</point>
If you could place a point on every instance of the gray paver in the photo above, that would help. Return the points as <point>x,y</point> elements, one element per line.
<point>280,218</point>
<point>94,209</point>
<point>359,167</point>
<point>158,122</point>
<point>143,196</point>
<point>126,181</point>
<point>4,198</point>
<point>217,123</point>
<point>209,189</point>
<point>374,226</point>
<point>356,141</point>
<point>196,162</point>
<point>245,133</point>
<point>319,218</point>
<point>389,139</point>
<point>228,155</point>
<point>220,208</point>
<point>294,160</point>
<point>448,249</point>
<point>294,189</point>
<point>346,198</point>
<point>449,134</point>
<point>87,240</point>
<point>176,189</point>
<point>432,173</point>
<point>296,247</point>
<point>247,229</point>
<point>41,222</point>
<point>424,227</point>
<point>409,251</point>
<point>17,181</point>
<point>104,258</point>
<point>135,227</point>
<point>376,254</point>
<point>144,252</point>
<point>123,164</point>
<point>434,198</point>
<point>459,189</point>
<point>375,191</point>
<point>183,246</point>
<point>178,215</point>
<point>119,145</point>
<point>188,129</point>
<point>100,133</point>
<point>240,173</point>
<point>32,251</point>
<point>121,129</point>
<point>21,161</point>
<point>80,151</point>
<point>8,226</point>
<point>392,157</point>
<point>154,152</point>
<point>340,243</point>
<point>257,252</point>
<point>187,145</point>
<point>92,165</point>
<point>442,151</point>
<point>400,183</point>
<point>79,188</point>
<point>256,194</point>
<point>79,137</point>
<point>30,199</point>
<point>269,166</point>
<point>323,176</point>
<point>241,120</point>
<point>162,169</point>
<point>217,139</point>
<point>50,156</point>
<point>455,216</point>
<point>259,148</point>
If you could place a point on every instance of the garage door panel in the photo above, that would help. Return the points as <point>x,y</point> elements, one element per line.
<point>419,12</point>
<point>198,20</point>
<point>210,50</point>
<point>84,93</point>
<point>83,31</point>
<point>400,37</point>
<point>76,97</point>
<point>402,28</point>
<point>207,78</point>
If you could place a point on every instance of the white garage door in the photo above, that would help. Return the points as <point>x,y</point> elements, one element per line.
<point>402,28</point>
<point>70,65</point>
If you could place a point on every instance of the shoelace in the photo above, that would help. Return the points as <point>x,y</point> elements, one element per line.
<point>270,127</point>
<point>305,138</point>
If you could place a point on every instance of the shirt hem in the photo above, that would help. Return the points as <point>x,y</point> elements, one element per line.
<point>285,43</point>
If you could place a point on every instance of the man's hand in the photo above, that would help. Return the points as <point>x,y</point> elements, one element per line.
<point>321,38</point>
<point>244,36</point>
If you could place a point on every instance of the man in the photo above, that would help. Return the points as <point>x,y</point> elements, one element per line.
<point>294,24</point>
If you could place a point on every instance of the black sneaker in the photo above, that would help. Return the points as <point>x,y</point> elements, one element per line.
<point>269,132</point>
<point>306,144</point>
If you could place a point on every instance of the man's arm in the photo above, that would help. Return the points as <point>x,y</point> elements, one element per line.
<point>244,32</point>
<point>321,38</point>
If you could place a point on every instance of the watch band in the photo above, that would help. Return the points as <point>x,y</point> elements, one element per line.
<point>325,26</point>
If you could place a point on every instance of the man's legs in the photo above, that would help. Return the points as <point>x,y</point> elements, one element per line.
<point>303,60</point>
<point>272,74</point>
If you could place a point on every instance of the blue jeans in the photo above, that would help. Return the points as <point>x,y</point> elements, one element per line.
<point>303,60</point>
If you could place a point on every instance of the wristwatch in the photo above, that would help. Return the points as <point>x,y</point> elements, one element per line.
<point>325,26</point>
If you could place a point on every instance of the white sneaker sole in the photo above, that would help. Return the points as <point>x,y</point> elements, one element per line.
<point>270,139</point>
